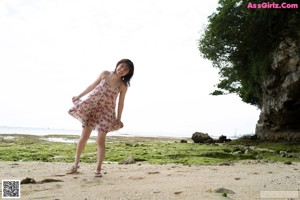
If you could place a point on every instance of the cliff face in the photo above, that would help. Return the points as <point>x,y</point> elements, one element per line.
<point>280,113</point>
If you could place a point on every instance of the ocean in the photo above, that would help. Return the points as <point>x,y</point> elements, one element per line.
<point>51,131</point>
<point>37,131</point>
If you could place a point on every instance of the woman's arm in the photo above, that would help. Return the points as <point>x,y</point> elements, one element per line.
<point>123,91</point>
<point>91,87</point>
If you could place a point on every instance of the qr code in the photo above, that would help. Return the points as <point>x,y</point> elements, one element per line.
<point>11,189</point>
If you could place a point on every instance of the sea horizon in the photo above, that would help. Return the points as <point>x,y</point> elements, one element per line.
<point>39,131</point>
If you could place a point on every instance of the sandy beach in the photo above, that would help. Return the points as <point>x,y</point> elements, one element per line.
<point>136,181</point>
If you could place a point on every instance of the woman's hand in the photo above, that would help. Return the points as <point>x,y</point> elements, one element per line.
<point>75,98</point>
<point>121,124</point>
<point>118,124</point>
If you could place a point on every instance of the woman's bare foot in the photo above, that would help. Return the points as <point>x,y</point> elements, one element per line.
<point>73,169</point>
<point>98,174</point>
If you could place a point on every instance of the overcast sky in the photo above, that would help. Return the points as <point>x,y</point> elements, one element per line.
<point>52,50</point>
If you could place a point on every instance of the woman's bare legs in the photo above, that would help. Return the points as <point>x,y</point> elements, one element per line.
<point>100,151</point>
<point>85,135</point>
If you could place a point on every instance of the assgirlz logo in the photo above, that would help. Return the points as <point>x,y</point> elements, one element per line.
<point>273,5</point>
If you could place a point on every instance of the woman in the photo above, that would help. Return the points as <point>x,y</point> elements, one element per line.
<point>97,111</point>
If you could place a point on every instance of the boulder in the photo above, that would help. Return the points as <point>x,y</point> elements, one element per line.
<point>222,138</point>
<point>199,137</point>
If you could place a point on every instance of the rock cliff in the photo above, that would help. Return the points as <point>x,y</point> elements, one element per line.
<point>280,112</point>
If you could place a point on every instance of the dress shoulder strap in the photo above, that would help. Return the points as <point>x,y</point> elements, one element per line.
<point>105,75</point>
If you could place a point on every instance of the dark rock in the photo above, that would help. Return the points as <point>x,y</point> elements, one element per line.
<point>28,181</point>
<point>155,172</point>
<point>224,164</point>
<point>50,180</point>
<point>249,137</point>
<point>224,190</point>
<point>199,137</point>
<point>288,163</point>
<point>32,181</point>
<point>183,141</point>
<point>222,138</point>
<point>178,192</point>
<point>209,141</point>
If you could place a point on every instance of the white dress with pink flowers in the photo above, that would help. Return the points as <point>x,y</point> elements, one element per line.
<point>97,111</point>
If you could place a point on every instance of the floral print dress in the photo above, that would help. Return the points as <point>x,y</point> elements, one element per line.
<point>97,111</point>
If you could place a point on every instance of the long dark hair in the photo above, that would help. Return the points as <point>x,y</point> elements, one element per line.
<point>129,63</point>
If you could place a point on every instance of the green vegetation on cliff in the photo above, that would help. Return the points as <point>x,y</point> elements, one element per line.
<point>239,40</point>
